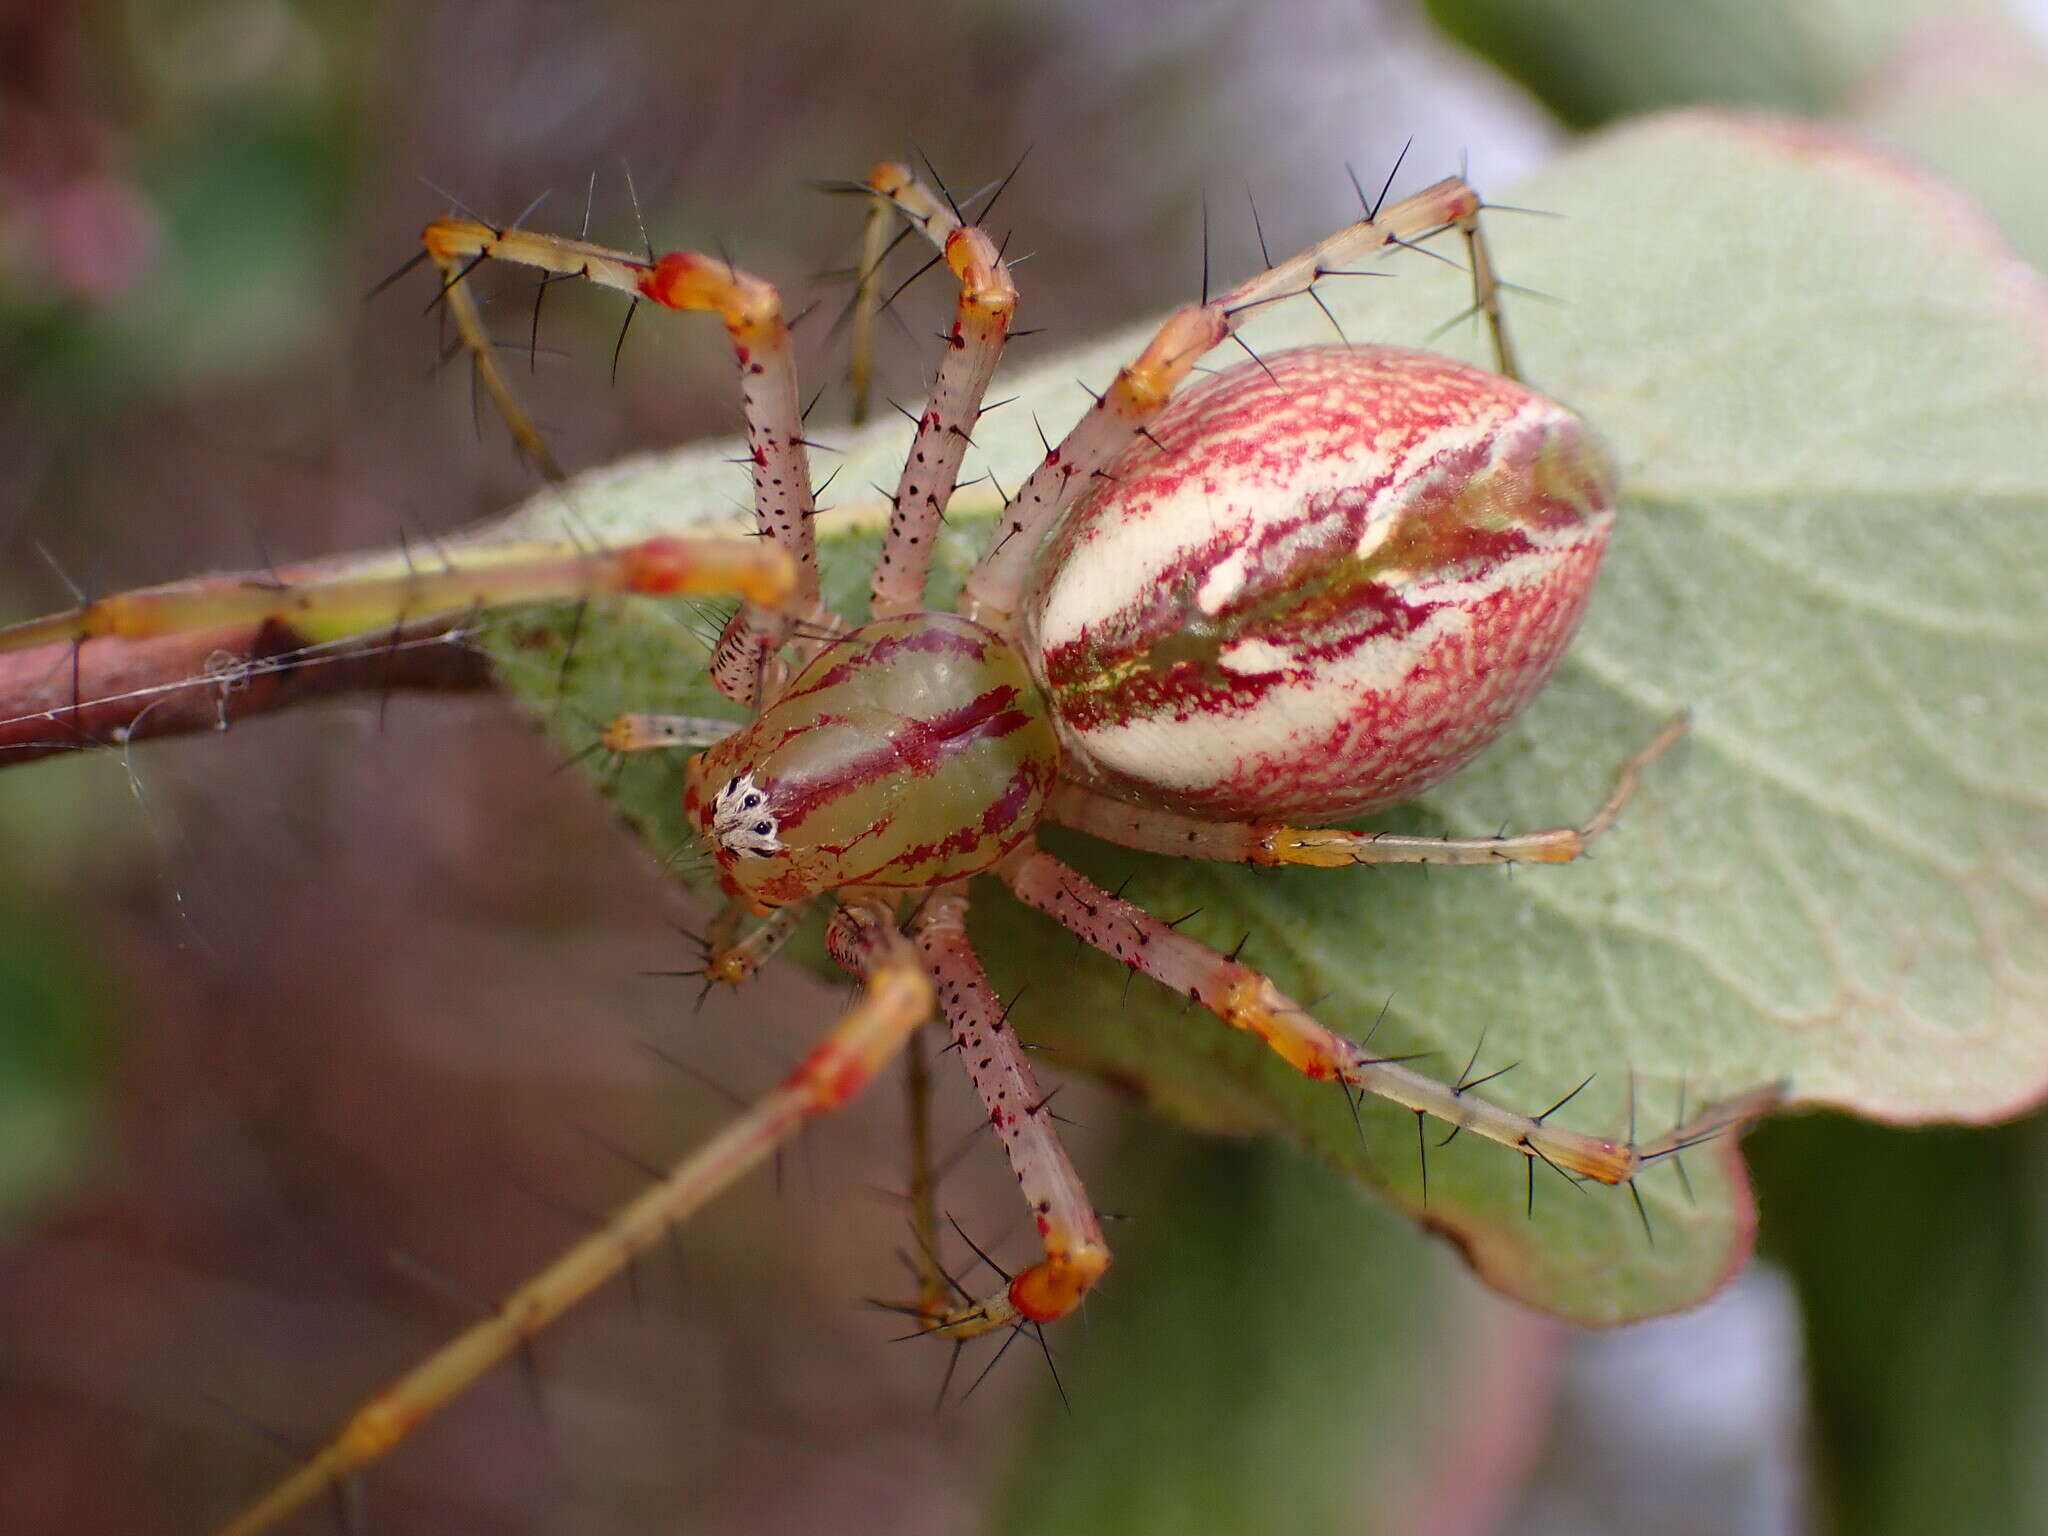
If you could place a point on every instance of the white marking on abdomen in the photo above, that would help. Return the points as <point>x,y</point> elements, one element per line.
<point>1206,749</point>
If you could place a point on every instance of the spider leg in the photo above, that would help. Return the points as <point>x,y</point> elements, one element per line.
<point>746,669</point>
<point>1157,830</point>
<point>1486,296</point>
<point>981,322</point>
<point>867,304</point>
<point>1143,388</point>
<point>896,1001</point>
<point>661,733</point>
<point>934,1289</point>
<point>320,603</point>
<point>1075,1254</point>
<point>735,949</point>
<point>1245,999</point>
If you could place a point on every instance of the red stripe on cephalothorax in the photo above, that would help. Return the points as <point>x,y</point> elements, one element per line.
<point>920,745</point>
<point>880,650</point>
<point>1002,825</point>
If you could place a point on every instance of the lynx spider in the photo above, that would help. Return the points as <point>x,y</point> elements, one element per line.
<point>985,712</point>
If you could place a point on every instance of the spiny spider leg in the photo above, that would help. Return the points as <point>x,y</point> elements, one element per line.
<point>1246,999</point>
<point>981,322</point>
<point>934,1287</point>
<point>860,360</point>
<point>1158,830</point>
<point>1486,296</point>
<point>483,357</point>
<point>317,606</point>
<point>663,733</point>
<point>895,1002</point>
<point>1144,387</point>
<point>747,667</point>
<point>1075,1254</point>
<point>735,948</point>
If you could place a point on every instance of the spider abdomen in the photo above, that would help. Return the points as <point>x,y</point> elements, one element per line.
<point>1325,583</point>
<point>910,752</point>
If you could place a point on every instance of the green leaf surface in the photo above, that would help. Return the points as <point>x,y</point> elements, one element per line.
<point>1921,1259</point>
<point>1595,61</point>
<point>1826,388</point>
<point>52,1016</point>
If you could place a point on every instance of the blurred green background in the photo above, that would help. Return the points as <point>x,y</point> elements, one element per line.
<point>312,1038</point>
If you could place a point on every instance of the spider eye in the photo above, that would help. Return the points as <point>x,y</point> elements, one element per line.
<point>750,802</point>
<point>763,828</point>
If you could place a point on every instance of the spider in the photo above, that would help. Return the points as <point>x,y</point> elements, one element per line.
<point>1209,623</point>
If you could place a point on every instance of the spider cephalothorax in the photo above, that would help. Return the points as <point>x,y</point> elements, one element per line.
<point>1311,586</point>
<point>912,752</point>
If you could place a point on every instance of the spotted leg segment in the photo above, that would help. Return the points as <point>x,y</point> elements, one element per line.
<point>1247,1000</point>
<point>1144,387</point>
<point>896,1000</point>
<point>663,733</point>
<point>974,344</point>
<point>318,605</point>
<point>751,309</point>
<point>1157,830</point>
<point>739,944</point>
<point>1075,1254</point>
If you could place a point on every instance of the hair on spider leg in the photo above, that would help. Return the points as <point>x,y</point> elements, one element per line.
<point>385,282</point>
<point>438,1282</point>
<point>1254,356</point>
<point>940,182</point>
<point>1328,315</point>
<point>976,1136</point>
<point>619,346</point>
<point>800,317</point>
<point>1684,1177</point>
<point>1258,227</point>
<point>694,1073</point>
<point>1420,249</point>
<point>904,286</point>
<point>1560,1104</point>
<point>623,1154</point>
<point>1525,291</point>
<point>994,1360</point>
<point>976,1248</point>
<point>283,1440</point>
<point>1351,1102</point>
<point>456,203</point>
<point>860,274</point>
<point>1467,1082</point>
<point>825,485</point>
<point>1422,1155</point>
<point>546,278</point>
<point>449,285</point>
<point>1530,1154</point>
<point>452,347</point>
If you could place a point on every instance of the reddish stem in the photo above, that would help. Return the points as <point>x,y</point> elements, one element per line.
<point>60,698</point>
